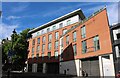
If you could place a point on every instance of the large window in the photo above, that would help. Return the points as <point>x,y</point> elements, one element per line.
<point>33,42</point>
<point>62,42</point>
<point>32,49</point>
<point>56,54</point>
<point>68,22</point>
<point>54,27</point>
<point>38,40</point>
<point>38,48</point>
<point>56,44</point>
<point>49,46</point>
<point>56,35</point>
<point>84,47</point>
<point>74,36</point>
<point>37,56</point>
<point>83,32</point>
<point>67,39</point>
<point>75,49</point>
<point>96,43</point>
<point>49,37</point>
<point>43,39</point>
<point>43,47</point>
<point>42,56</point>
<point>49,55</point>
<point>32,56</point>
<point>60,25</point>
<point>64,31</point>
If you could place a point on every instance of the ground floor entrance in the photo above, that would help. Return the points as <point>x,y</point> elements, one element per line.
<point>90,66</point>
<point>49,68</point>
<point>98,66</point>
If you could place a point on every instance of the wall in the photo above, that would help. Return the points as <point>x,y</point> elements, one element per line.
<point>71,67</point>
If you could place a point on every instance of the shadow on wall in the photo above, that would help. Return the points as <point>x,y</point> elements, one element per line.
<point>55,65</point>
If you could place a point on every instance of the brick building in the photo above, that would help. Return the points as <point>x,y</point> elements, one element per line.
<point>71,44</point>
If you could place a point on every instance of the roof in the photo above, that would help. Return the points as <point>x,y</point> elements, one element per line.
<point>73,13</point>
<point>115,26</point>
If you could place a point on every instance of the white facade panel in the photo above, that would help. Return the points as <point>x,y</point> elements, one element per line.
<point>73,20</point>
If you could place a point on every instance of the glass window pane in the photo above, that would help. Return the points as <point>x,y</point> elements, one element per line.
<point>83,32</point>
<point>56,54</point>
<point>75,49</point>
<point>38,40</point>
<point>60,25</point>
<point>68,22</point>
<point>84,47</point>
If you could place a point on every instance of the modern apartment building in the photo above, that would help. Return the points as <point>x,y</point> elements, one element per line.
<point>72,44</point>
<point>115,31</point>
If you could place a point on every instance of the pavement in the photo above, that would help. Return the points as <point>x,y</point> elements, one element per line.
<point>35,75</point>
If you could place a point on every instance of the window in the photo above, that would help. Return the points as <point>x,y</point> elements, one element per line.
<point>49,37</point>
<point>56,35</point>
<point>48,29</point>
<point>43,39</point>
<point>32,49</point>
<point>56,54</point>
<point>60,25</point>
<point>83,32</point>
<point>43,47</point>
<point>118,36</point>
<point>42,31</point>
<point>56,44</point>
<point>75,49</point>
<point>32,55</point>
<point>42,56</point>
<point>74,36</point>
<point>49,55</point>
<point>37,56</point>
<point>64,31</point>
<point>67,40</point>
<point>96,43</point>
<point>33,42</point>
<point>62,42</point>
<point>38,40</point>
<point>68,22</point>
<point>84,47</point>
<point>54,27</point>
<point>38,48</point>
<point>38,33</point>
<point>49,46</point>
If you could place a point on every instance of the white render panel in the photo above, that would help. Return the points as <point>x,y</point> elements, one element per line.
<point>73,19</point>
<point>71,67</point>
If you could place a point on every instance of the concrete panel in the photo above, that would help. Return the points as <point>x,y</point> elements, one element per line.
<point>70,67</point>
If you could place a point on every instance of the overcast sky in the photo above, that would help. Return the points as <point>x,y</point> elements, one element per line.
<point>22,15</point>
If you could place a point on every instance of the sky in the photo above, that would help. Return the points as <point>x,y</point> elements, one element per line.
<point>22,15</point>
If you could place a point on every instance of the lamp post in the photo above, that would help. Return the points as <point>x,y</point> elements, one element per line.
<point>10,53</point>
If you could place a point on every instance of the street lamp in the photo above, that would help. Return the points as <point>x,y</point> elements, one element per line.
<point>10,53</point>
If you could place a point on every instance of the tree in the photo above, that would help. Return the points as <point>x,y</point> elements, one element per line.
<point>19,47</point>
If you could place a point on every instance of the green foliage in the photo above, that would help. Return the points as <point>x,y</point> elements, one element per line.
<point>19,47</point>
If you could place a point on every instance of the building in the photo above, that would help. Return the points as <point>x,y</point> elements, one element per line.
<point>115,31</point>
<point>73,44</point>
